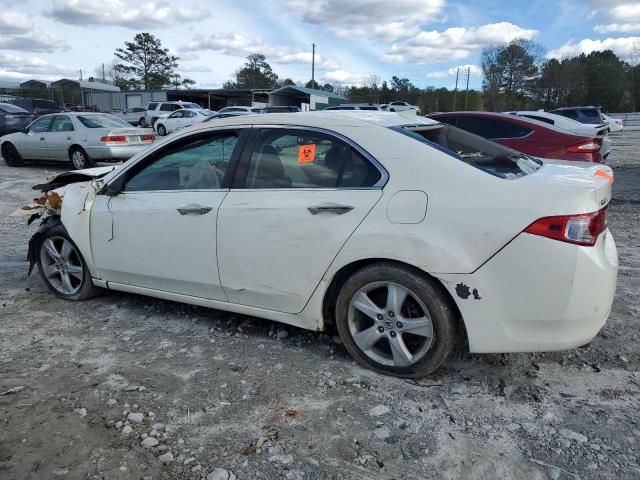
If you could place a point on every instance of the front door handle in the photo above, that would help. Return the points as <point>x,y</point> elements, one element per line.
<point>330,208</point>
<point>41,138</point>
<point>194,209</point>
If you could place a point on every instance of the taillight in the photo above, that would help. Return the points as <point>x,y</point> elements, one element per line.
<point>580,229</point>
<point>147,137</point>
<point>114,139</point>
<point>591,145</point>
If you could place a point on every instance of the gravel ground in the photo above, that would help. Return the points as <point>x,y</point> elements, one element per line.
<point>124,386</point>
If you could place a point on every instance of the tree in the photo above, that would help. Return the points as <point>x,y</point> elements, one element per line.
<point>255,73</point>
<point>286,83</point>
<point>144,63</point>
<point>400,84</point>
<point>327,87</point>
<point>509,72</point>
<point>313,84</point>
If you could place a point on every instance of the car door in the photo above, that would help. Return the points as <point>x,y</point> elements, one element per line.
<point>159,231</point>
<point>188,118</point>
<point>297,197</point>
<point>60,137</point>
<point>33,143</point>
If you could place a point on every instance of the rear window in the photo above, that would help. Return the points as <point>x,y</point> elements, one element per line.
<point>540,119</point>
<point>8,108</point>
<point>473,150</point>
<point>102,121</point>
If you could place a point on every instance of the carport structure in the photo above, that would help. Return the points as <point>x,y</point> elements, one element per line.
<point>215,99</point>
<point>305,98</point>
<point>86,89</point>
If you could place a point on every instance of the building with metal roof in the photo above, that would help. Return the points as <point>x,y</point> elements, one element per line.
<point>308,99</point>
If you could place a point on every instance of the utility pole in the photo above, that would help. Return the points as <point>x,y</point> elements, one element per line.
<point>466,95</point>
<point>80,74</point>
<point>103,79</point>
<point>455,92</point>
<point>313,64</point>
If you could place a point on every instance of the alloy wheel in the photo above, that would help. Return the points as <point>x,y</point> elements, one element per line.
<point>79,159</point>
<point>390,324</point>
<point>62,265</point>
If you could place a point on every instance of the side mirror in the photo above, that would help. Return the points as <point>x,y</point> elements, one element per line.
<point>25,130</point>
<point>114,188</point>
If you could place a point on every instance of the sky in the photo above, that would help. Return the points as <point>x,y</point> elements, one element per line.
<point>423,40</point>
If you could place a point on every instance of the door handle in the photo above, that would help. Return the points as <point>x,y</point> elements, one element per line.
<point>330,208</point>
<point>194,209</point>
<point>41,138</point>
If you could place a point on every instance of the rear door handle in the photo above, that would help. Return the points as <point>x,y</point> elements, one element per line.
<point>330,208</point>
<point>194,209</point>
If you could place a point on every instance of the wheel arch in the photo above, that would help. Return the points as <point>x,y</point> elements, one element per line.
<point>340,277</point>
<point>75,146</point>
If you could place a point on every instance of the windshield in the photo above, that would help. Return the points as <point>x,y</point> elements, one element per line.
<point>102,121</point>
<point>473,150</point>
<point>190,105</point>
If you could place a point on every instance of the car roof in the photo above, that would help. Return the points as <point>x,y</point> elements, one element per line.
<point>511,118</point>
<point>340,118</point>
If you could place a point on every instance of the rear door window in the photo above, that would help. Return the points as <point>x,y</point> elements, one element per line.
<point>515,130</point>
<point>484,127</point>
<point>152,106</point>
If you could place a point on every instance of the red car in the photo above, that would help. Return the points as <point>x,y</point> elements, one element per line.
<point>527,136</point>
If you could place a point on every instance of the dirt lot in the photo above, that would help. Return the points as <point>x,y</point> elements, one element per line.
<point>259,400</point>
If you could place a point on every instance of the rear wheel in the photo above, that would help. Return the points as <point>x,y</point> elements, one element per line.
<point>62,267</point>
<point>11,155</point>
<point>142,123</point>
<point>395,321</point>
<point>79,158</point>
<point>162,131</point>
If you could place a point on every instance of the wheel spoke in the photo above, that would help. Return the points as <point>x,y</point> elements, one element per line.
<point>51,249</point>
<point>50,271</point>
<point>363,303</point>
<point>417,326</point>
<point>396,295</point>
<point>367,338</point>
<point>401,355</point>
<point>75,271</point>
<point>66,282</point>
<point>66,250</point>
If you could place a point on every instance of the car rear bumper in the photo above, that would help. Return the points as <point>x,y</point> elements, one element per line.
<point>537,294</point>
<point>114,152</point>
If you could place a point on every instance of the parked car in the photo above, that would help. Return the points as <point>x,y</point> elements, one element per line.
<point>236,109</point>
<point>156,110</point>
<point>401,106</point>
<point>81,138</point>
<point>403,233</point>
<point>355,106</point>
<point>134,115</point>
<point>280,109</point>
<point>591,115</point>
<point>36,106</point>
<point>527,136</point>
<point>571,125</point>
<point>13,118</point>
<point>218,115</point>
<point>182,118</point>
<point>613,124</point>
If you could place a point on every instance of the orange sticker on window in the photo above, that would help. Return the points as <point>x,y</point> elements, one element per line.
<point>306,153</point>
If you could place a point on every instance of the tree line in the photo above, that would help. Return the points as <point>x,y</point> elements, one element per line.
<point>516,76</point>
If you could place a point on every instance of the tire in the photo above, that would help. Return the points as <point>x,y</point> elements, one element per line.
<point>11,155</point>
<point>79,158</point>
<point>62,267</point>
<point>409,338</point>
<point>142,123</point>
<point>161,129</point>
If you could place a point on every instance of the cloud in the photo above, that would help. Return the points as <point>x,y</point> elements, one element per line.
<point>474,71</point>
<point>369,18</point>
<point>195,68</point>
<point>237,45</point>
<point>19,67</point>
<point>15,22</point>
<point>34,41</point>
<point>345,77</point>
<point>621,17</point>
<point>454,43</point>
<point>147,14</point>
<point>623,47</point>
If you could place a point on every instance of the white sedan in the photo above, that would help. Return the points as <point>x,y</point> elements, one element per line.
<point>614,124</point>
<point>409,235</point>
<point>182,118</point>
<point>79,137</point>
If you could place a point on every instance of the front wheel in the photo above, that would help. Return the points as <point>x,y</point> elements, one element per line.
<point>79,158</point>
<point>62,267</point>
<point>162,131</point>
<point>11,155</point>
<point>395,320</point>
<point>142,123</point>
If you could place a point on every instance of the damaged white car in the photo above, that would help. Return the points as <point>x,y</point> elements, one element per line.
<point>409,235</point>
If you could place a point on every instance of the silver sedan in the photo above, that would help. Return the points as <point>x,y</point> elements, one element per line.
<point>79,137</point>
